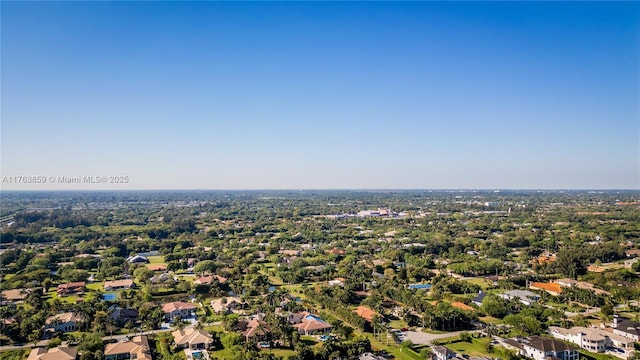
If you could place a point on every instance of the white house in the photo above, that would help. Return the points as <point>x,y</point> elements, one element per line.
<point>539,348</point>
<point>525,296</point>
<point>595,340</point>
<point>64,322</point>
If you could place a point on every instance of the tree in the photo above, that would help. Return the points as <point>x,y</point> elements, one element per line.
<point>494,306</point>
<point>465,336</point>
<point>47,283</point>
<point>569,263</point>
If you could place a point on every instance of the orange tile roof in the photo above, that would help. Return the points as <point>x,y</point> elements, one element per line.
<point>365,313</point>
<point>462,306</point>
<point>552,287</point>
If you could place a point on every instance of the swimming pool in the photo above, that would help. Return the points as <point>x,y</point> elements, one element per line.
<point>109,296</point>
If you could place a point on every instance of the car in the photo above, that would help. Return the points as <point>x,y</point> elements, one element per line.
<point>404,329</point>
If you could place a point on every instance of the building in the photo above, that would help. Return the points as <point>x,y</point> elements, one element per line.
<point>122,316</point>
<point>56,353</point>
<point>192,339</point>
<point>337,282</point>
<point>365,313</point>
<point>442,353</point>
<point>210,279</point>
<point>227,305</point>
<point>254,329</point>
<point>64,322</point>
<point>526,297</point>
<point>479,298</point>
<point>118,285</point>
<point>136,348</point>
<point>178,309</point>
<point>70,288</point>
<point>370,356</point>
<point>595,340</point>
<point>162,278</point>
<point>566,282</point>
<point>552,288</point>
<point>539,348</point>
<point>137,259</point>
<point>13,296</point>
<point>309,324</point>
<point>627,328</point>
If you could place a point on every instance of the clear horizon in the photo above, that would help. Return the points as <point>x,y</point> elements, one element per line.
<point>321,96</point>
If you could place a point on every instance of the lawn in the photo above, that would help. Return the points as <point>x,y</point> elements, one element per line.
<point>398,324</point>
<point>65,299</point>
<point>94,286</point>
<point>158,259</point>
<point>484,284</point>
<point>475,348</point>
<point>283,353</point>
<point>398,353</point>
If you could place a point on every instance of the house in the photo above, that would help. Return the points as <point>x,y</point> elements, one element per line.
<point>337,282</point>
<point>70,288</point>
<point>227,304</point>
<point>566,282</point>
<point>56,353</point>
<point>462,306</point>
<point>137,259</point>
<point>136,348</point>
<point>365,313</point>
<point>309,324</point>
<point>595,340</point>
<point>526,297</point>
<point>64,322</point>
<point>13,296</point>
<point>370,356</point>
<point>627,328</point>
<point>209,279</point>
<point>552,288</point>
<point>255,329</point>
<point>118,285</point>
<point>539,348</point>
<point>478,299</point>
<point>162,278</point>
<point>122,316</point>
<point>192,338</point>
<point>442,353</point>
<point>178,309</point>
<point>291,253</point>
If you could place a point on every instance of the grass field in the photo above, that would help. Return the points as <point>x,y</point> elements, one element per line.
<point>398,353</point>
<point>94,287</point>
<point>398,324</point>
<point>475,348</point>
<point>51,295</point>
<point>484,284</point>
<point>159,260</point>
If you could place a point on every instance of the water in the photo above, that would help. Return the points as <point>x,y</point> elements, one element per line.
<point>109,296</point>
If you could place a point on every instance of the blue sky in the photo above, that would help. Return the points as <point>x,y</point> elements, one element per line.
<point>288,95</point>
